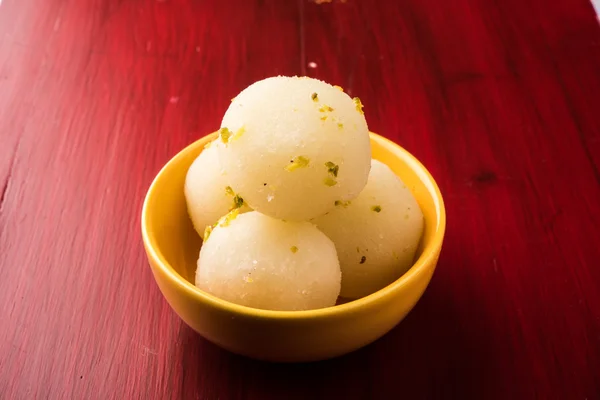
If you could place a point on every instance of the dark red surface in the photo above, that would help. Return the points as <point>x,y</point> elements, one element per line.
<point>499,99</point>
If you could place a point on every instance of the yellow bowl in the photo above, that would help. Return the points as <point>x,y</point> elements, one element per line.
<point>172,247</point>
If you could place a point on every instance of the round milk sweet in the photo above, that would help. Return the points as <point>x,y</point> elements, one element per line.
<point>293,145</point>
<point>207,191</point>
<point>261,262</point>
<point>376,235</point>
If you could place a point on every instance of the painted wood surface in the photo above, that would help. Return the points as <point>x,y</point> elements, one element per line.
<point>499,99</point>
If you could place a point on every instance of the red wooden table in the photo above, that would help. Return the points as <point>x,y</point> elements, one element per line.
<point>500,99</point>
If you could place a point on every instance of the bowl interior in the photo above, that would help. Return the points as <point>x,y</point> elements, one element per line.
<point>173,237</point>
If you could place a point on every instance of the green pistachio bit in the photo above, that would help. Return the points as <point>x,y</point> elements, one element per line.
<point>325,109</point>
<point>363,259</point>
<point>376,209</point>
<point>225,134</point>
<point>340,125</point>
<point>324,117</point>
<point>239,133</point>
<point>332,168</point>
<point>297,162</point>
<point>207,231</point>
<point>294,249</point>
<point>329,181</point>
<point>229,191</point>
<point>226,219</point>
<point>238,202</point>
<point>315,97</point>
<point>359,105</point>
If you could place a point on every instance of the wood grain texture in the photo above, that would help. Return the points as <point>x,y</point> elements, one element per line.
<point>499,99</point>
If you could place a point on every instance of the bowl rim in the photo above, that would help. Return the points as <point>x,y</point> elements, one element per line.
<point>418,268</point>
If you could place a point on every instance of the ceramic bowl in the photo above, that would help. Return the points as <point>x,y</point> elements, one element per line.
<point>172,247</point>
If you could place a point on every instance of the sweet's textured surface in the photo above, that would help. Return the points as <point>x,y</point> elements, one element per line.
<point>262,262</point>
<point>376,234</point>
<point>295,145</point>
<point>208,193</point>
<point>499,99</point>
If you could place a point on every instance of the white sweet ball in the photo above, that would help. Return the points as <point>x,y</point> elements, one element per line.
<point>261,262</point>
<point>294,145</point>
<point>376,235</point>
<point>207,191</point>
